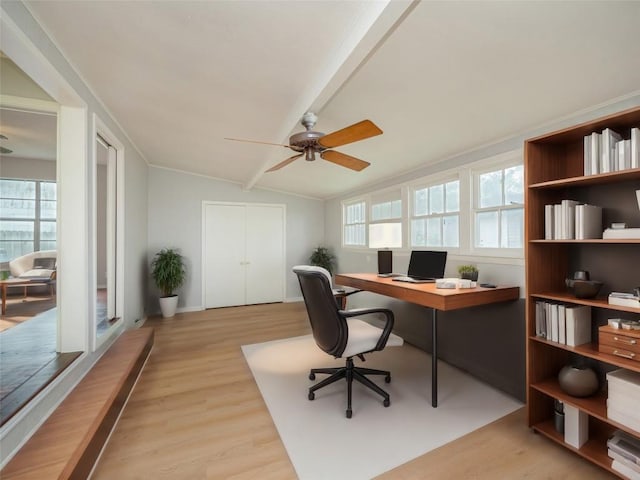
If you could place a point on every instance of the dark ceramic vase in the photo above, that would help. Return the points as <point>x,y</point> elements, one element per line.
<point>578,381</point>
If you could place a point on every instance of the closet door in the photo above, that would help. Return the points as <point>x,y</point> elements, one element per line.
<point>224,255</point>
<point>265,254</point>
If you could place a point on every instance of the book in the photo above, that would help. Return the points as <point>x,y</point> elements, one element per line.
<point>625,470</point>
<point>588,221</point>
<point>623,155</point>
<point>621,233</point>
<point>621,458</point>
<point>554,322</point>
<point>562,326</point>
<point>635,148</point>
<point>578,324</point>
<point>557,219</point>
<point>576,426</point>
<point>624,301</point>
<point>587,155</point>
<point>595,153</point>
<point>568,219</point>
<point>541,327</point>
<point>625,446</point>
<point>549,233</point>
<point>624,376</point>
<point>607,148</point>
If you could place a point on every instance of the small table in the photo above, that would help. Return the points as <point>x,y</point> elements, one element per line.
<point>18,282</point>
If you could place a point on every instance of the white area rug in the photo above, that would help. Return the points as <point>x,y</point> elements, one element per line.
<point>323,444</point>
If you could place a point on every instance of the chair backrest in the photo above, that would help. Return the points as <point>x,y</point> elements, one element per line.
<point>329,328</point>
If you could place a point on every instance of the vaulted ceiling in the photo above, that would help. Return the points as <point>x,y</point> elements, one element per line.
<point>439,78</point>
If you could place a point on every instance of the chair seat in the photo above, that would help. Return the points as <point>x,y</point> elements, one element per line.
<point>363,337</point>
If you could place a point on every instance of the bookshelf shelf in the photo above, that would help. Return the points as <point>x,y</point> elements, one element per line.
<point>554,171</point>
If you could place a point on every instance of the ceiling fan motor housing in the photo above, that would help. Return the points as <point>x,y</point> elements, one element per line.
<point>307,142</point>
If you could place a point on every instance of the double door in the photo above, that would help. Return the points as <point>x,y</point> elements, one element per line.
<point>243,254</point>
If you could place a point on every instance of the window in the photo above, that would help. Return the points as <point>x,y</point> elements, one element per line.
<point>385,226</point>
<point>499,211</point>
<point>27,217</point>
<point>435,215</point>
<point>354,224</point>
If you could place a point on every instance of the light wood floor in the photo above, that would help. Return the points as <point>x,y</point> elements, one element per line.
<point>196,413</point>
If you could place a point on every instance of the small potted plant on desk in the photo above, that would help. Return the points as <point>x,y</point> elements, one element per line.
<point>168,273</point>
<point>469,272</point>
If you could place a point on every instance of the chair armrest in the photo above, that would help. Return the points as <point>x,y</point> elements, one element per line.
<point>357,312</point>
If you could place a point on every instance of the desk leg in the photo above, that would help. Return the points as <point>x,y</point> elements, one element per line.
<point>434,358</point>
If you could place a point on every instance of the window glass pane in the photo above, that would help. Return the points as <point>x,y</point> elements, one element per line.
<point>386,210</point>
<point>17,189</point>
<point>512,228</point>
<point>396,209</point>
<point>487,230</point>
<point>13,208</point>
<point>47,232</point>
<point>436,199</point>
<point>418,233</point>
<point>48,191</point>
<point>48,209</point>
<point>452,196</point>
<point>491,189</point>
<point>514,185</point>
<point>16,238</point>
<point>420,202</point>
<point>10,250</point>
<point>434,235</point>
<point>450,231</point>
<point>385,235</point>
<point>47,245</point>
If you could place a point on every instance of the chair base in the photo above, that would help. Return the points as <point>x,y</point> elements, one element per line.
<point>350,373</point>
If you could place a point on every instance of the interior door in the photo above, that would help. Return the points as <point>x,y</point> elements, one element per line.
<point>224,255</point>
<point>265,254</point>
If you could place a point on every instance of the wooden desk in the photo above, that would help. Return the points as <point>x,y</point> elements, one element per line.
<point>427,295</point>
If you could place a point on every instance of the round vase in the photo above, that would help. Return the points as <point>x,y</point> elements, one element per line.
<point>578,381</point>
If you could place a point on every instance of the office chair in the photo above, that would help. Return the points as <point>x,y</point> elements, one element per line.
<point>338,333</point>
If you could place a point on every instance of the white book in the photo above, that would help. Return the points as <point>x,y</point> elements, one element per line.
<point>623,419</point>
<point>607,148</point>
<point>576,426</point>
<point>557,218</point>
<point>568,221</point>
<point>623,154</point>
<point>547,319</point>
<point>548,222</point>
<point>629,462</point>
<point>554,322</point>
<point>562,326</point>
<point>635,148</point>
<point>541,329</point>
<point>625,406</point>
<point>595,153</point>
<point>588,221</point>
<point>621,233</point>
<point>578,324</point>
<point>624,376</point>
<point>624,302</point>
<point>587,155</point>
<point>625,470</point>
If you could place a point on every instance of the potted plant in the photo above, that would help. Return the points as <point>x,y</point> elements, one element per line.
<point>470,272</point>
<point>322,257</point>
<point>169,274</point>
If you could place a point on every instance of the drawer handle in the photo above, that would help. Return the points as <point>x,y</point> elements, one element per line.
<point>624,340</point>
<point>630,356</point>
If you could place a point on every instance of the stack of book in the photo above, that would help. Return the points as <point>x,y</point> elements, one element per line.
<point>565,324</point>
<point>622,402</point>
<point>624,299</point>
<point>608,152</point>
<point>572,220</point>
<point>624,449</point>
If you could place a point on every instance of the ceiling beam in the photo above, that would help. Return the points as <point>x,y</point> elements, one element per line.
<point>365,38</point>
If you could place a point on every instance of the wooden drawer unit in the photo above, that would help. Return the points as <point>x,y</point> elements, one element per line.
<point>619,342</point>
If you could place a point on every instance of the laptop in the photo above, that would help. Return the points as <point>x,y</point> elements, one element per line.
<point>424,267</point>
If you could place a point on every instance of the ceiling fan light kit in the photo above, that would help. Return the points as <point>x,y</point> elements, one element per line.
<point>310,142</point>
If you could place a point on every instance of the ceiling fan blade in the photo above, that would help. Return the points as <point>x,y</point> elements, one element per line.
<point>357,131</point>
<point>284,163</point>
<point>5,150</point>
<point>256,141</point>
<point>344,160</point>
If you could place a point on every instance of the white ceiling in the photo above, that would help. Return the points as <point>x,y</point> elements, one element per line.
<point>438,78</point>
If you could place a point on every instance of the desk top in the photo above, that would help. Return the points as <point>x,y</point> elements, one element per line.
<point>426,294</point>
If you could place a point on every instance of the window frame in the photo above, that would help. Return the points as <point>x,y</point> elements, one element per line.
<point>349,203</point>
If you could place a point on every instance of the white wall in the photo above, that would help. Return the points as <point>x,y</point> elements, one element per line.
<point>27,168</point>
<point>175,221</point>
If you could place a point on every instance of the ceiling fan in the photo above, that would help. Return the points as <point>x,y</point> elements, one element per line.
<point>3,149</point>
<point>310,142</point>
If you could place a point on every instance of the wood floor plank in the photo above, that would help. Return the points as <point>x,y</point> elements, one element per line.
<point>196,413</point>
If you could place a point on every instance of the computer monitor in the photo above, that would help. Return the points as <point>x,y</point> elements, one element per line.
<point>427,264</point>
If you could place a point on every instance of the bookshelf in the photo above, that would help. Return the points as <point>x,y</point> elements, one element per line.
<point>554,167</point>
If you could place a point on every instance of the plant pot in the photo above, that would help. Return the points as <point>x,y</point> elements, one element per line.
<point>473,276</point>
<point>168,305</point>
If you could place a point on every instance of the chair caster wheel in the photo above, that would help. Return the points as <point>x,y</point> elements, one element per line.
<point>387,379</point>
<point>312,376</point>
<point>386,402</point>
<point>349,413</point>
<point>312,395</point>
